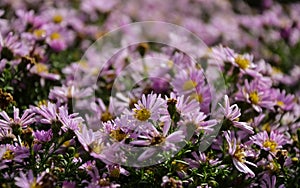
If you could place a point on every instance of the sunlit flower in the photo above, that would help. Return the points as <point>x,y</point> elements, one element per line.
<point>257,93</point>
<point>27,180</point>
<point>271,143</point>
<point>150,107</point>
<point>232,113</point>
<point>238,153</point>
<point>25,120</point>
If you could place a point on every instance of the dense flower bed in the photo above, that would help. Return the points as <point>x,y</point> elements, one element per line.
<point>72,117</point>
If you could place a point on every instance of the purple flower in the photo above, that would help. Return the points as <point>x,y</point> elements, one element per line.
<point>28,180</point>
<point>48,113</point>
<point>12,46</point>
<point>72,121</point>
<point>232,113</point>
<point>150,107</point>
<point>64,93</point>
<point>171,182</point>
<point>284,101</point>
<point>270,143</point>
<point>269,181</point>
<point>257,93</point>
<point>89,139</point>
<point>200,159</point>
<point>23,122</point>
<point>67,184</point>
<point>43,71</point>
<point>184,105</point>
<point>238,153</point>
<point>43,136</point>
<point>192,83</point>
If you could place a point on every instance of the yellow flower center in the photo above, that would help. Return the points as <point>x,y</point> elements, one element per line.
<point>142,114</point>
<point>67,143</point>
<point>97,147</point>
<point>42,103</point>
<point>34,184</point>
<point>272,145</point>
<point>118,134</point>
<point>240,154</point>
<point>188,85</point>
<point>276,70</point>
<point>55,36</point>
<point>266,127</point>
<point>41,68</point>
<point>57,18</point>
<point>157,140</point>
<point>197,97</point>
<point>242,62</point>
<point>106,116</point>
<point>39,33</point>
<point>254,98</point>
<point>8,155</point>
<point>280,103</point>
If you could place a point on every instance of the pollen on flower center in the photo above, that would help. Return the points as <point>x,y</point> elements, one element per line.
<point>272,145</point>
<point>254,98</point>
<point>57,18</point>
<point>106,116</point>
<point>118,134</point>
<point>188,85</point>
<point>240,154</point>
<point>39,33</point>
<point>157,140</point>
<point>242,62</point>
<point>142,114</point>
<point>40,68</point>
<point>280,103</point>
<point>8,155</point>
<point>34,184</point>
<point>55,36</point>
<point>97,147</point>
<point>197,97</point>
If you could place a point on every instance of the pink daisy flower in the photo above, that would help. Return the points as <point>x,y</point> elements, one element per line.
<point>257,93</point>
<point>232,113</point>
<point>23,121</point>
<point>271,143</point>
<point>238,153</point>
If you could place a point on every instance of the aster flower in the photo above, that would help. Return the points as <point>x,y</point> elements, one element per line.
<point>23,122</point>
<point>72,121</point>
<point>269,181</point>
<point>100,110</point>
<point>11,45</point>
<point>271,143</point>
<point>232,113</point>
<point>87,137</point>
<point>226,55</point>
<point>43,136</point>
<point>184,105</point>
<point>284,101</point>
<point>171,182</point>
<point>197,160</point>
<point>198,120</point>
<point>238,153</point>
<point>257,93</point>
<point>64,93</point>
<point>116,170</point>
<point>27,180</point>
<point>150,107</point>
<point>192,83</point>
<point>48,113</point>
<point>43,71</point>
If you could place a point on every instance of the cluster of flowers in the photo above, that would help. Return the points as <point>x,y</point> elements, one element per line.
<point>151,135</point>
